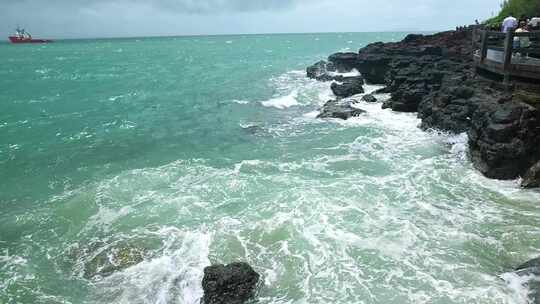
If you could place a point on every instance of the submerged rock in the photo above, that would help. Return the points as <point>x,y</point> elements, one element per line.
<point>339,109</point>
<point>369,98</point>
<point>532,264</point>
<point>349,86</point>
<point>231,284</point>
<point>111,260</point>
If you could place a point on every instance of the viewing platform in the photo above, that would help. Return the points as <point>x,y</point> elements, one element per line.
<point>495,52</point>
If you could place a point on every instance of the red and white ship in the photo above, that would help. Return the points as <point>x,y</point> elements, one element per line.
<point>22,36</point>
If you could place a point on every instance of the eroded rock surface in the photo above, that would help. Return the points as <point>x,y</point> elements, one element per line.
<point>341,109</point>
<point>235,283</point>
<point>434,76</point>
<point>369,98</point>
<point>349,86</point>
<point>532,179</point>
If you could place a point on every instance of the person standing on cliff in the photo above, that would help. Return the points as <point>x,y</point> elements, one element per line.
<point>522,42</point>
<point>534,23</point>
<point>509,23</point>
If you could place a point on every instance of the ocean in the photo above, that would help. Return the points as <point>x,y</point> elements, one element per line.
<point>129,165</point>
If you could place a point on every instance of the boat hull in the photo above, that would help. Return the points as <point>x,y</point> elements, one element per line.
<point>14,39</point>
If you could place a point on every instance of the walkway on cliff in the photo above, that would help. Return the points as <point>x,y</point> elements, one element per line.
<point>496,52</point>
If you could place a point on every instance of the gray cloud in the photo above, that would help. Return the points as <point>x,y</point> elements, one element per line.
<point>181,6</point>
<point>113,18</point>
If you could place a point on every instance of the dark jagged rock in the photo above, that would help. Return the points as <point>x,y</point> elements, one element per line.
<point>434,75</point>
<point>451,108</point>
<point>344,62</point>
<point>532,180</point>
<point>339,109</point>
<point>383,90</point>
<point>504,139</point>
<point>373,63</point>
<point>322,71</point>
<point>412,38</point>
<point>406,100</point>
<point>534,263</point>
<point>369,98</point>
<point>348,87</point>
<point>231,284</point>
<point>316,70</point>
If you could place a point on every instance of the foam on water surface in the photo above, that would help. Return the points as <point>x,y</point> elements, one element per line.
<point>282,102</point>
<point>231,165</point>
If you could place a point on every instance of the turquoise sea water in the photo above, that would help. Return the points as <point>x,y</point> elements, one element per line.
<point>128,165</point>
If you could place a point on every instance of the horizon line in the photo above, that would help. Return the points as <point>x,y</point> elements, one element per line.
<point>236,34</point>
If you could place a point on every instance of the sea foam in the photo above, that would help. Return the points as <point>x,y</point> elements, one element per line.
<point>282,102</point>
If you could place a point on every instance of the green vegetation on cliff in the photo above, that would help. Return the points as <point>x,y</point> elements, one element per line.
<point>530,8</point>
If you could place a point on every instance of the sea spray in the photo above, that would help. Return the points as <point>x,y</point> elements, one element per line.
<point>167,149</point>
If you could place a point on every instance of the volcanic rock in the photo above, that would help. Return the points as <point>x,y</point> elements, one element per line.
<point>344,62</point>
<point>323,71</point>
<point>434,75</point>
<point>339,109</point>
<point>229,284</point>
<point>348,87</point>
<point>532,180</point>
<point>504,139</point>
<point>369,98</point>
<point>534,263</point>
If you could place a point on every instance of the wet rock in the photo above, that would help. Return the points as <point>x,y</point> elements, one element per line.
<point>369,98</point>
<point>532,180</point>
<point>434,75</point>
<point>339,109</point>
<point>534,263</point>
<point>113,259</point>
<point>316,70</point>
<point>412,38</point>
<point>348,87</point>
<point>231,284</point>
<point>323,71</point>
<point>431,50</point>
<point>384,90</point>
<point>344,62</point>
<point>373,62</point>
<point>449,109</point>
<point>504,139</point>
<point>406,100</point>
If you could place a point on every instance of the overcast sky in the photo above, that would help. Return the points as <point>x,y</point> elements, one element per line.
<point>122,18</point>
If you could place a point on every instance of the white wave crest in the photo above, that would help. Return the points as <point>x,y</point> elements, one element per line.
<point>519,286</point>
<point>352,73</point>
<point>173,277</point>
<point>282,102</point>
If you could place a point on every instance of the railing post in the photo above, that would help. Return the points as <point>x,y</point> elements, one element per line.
<point>508,51</point>
<point>483,47</point>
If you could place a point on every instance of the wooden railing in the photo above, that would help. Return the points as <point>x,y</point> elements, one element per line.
<point>495,51</point>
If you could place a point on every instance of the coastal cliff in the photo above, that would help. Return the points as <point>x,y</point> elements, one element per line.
<point>434,75</point>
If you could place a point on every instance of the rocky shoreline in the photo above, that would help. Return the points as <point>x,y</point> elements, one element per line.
<point>431,75</point>
<point>434,76</point>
